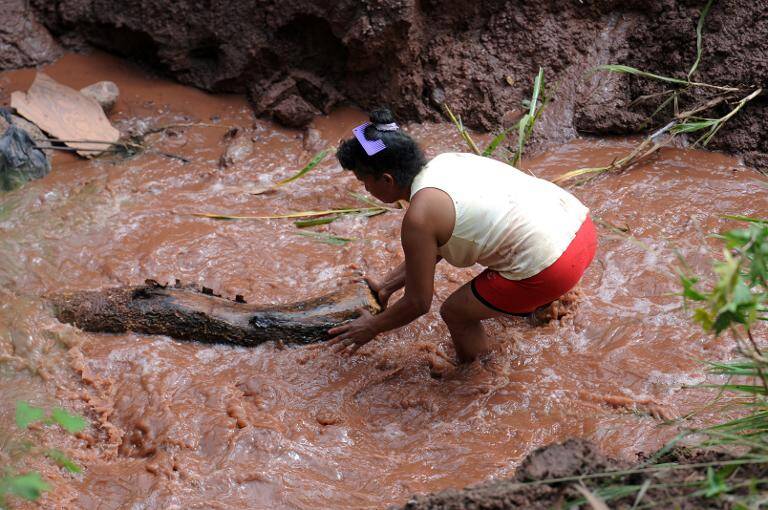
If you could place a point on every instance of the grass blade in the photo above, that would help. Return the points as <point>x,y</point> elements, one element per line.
<point>301,173</point>
<point>369,201</point>
<point>749,219</point>
<point>491,148</point>
<point>316,221</point>
<point>618,68</point>
<point>595,502</point>
<point>302,214</point>
<point>537,83</point>
<point>326,238</point>
<point>699,46</point>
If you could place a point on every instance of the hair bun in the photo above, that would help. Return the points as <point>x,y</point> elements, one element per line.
<point>381,116</point>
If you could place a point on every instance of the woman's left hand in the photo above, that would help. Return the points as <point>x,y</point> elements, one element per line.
<point>353,335</point>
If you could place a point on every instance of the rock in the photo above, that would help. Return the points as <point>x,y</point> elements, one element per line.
<point>104,92</point>
<point>312,141</point>
<point>23,41</point>
<point>239,147</point>
<point>66,114</point>
<point>295,112</point>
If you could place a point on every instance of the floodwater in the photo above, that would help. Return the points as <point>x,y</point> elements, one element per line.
<point>189,425</point>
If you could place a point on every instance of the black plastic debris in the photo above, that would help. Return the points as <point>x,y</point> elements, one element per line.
<point>20,159</point>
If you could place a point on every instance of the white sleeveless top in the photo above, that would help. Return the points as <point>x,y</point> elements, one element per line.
<point>506,220</point>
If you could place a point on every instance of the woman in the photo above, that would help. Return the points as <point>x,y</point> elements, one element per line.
<point>535,239</point>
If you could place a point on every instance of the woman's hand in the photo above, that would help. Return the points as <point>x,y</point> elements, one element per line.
<point>353,335</point>
<point>382,292</point>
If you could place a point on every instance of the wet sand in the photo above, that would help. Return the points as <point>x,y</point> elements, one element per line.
<point>186,425</point>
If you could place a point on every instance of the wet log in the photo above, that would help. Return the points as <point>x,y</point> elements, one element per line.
<point>187,313</point>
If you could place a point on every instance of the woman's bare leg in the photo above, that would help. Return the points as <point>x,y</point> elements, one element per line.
<point>462,313</point>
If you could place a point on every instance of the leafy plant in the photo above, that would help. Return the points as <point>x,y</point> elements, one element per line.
<point>734,303</point>
<point>31,485</point>
<point>524,126</point>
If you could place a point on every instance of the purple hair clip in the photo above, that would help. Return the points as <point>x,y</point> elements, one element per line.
<point>371,146</point>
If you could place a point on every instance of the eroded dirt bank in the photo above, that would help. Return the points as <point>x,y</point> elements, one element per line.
<point>187,425</point>
<point>298,58</point>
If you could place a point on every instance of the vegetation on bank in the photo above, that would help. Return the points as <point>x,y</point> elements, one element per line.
<point>30,485</point>
<point>728,468</point>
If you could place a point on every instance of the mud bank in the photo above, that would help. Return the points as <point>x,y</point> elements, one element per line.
<point>296,59</point>
<point>575,461</point>
<point>190,425</point>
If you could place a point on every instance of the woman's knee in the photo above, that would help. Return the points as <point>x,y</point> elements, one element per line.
<point>448,312</point>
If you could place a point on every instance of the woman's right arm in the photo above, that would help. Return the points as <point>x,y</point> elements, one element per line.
<point>393,281</point>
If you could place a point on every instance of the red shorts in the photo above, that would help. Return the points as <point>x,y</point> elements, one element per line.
<point>525,296</point>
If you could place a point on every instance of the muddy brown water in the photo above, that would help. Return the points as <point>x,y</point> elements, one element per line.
<point>186,425</point>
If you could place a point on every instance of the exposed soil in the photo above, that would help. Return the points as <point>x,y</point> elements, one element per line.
<point>576,458</point>
<point>296,59</point>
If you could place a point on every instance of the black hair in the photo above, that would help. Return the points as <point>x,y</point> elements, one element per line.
<point>402,157</point>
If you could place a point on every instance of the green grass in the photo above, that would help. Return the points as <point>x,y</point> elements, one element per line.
<point>524,127</point>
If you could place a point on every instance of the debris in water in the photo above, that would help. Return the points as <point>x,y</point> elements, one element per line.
<point>20,159</point>
<point>187,313</point>
<point>66,114</point>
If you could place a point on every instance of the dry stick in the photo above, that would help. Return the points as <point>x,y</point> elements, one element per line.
<point>706,106</point>
<point>192,124</point>
<point>462,130</point>
<point>73,149</point>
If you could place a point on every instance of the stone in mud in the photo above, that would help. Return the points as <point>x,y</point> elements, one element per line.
<point>312,141</point>
<point>186,313</point>
<point>239,147</point>
<point>105,93</point>
<point>294,111</point>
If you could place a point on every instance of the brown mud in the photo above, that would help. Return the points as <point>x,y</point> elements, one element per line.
<point>190,425</point>
<point>190,314</point>
<point>296,59</point>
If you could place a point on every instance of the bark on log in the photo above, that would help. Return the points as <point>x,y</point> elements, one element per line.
<point>186,313</point>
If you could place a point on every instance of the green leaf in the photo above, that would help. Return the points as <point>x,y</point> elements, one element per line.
<point>62,460</point>
<point>312,164</point>
<point>715,483</point>
<point>691,126</point>
<point>491,148</point>
<point>326,238</point>
<point>28,486</point>
<point>26,414</point>
<point>316,221</point>
<point>537,84</point>
<point>72,423</point>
